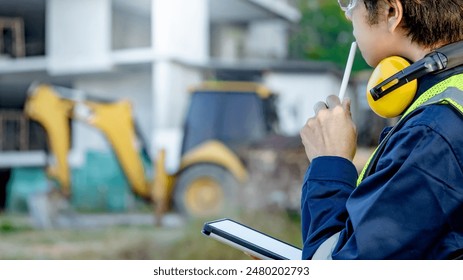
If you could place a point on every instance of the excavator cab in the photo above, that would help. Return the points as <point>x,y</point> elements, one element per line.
<point>235,113</point>
<point>223,119</point>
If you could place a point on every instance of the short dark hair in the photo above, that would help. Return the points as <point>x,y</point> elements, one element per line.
<point>428,22</point>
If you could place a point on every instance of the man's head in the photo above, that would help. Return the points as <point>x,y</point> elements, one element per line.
<point>429,23</point>
<point>407,28</point>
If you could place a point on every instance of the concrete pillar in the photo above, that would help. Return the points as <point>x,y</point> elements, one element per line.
<point>78,36</point>
<point>180,34</point>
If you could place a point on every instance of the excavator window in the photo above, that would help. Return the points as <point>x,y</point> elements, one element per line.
<point>234,118</point>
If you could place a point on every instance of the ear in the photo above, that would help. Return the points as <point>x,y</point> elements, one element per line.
<point>395,15</point>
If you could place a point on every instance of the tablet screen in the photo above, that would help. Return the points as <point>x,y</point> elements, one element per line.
<point>232,230</point>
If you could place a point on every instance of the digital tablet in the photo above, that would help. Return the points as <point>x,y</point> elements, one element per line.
<point>251,241</point>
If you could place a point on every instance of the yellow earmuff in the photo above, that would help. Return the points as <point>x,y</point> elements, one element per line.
<point>393,84</point>
<point>396,101</point>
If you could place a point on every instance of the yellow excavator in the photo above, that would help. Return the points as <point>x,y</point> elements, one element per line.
<point>210,172</point>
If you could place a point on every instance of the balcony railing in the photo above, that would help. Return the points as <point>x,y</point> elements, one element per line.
<point>19,133</point>
<point>14,26</point>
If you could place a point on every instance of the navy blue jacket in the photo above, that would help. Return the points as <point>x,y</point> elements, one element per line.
<point>410,207</point>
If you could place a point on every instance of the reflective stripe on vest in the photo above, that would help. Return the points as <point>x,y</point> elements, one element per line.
<point>449,91</point>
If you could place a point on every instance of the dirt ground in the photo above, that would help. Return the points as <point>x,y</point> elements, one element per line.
<point>276,177</point>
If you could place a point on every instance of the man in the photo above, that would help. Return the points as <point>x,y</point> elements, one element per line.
<point>409,205</point>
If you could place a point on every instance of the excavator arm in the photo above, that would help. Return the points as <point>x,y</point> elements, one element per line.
<point>114,120</point>
<point>53,113</point>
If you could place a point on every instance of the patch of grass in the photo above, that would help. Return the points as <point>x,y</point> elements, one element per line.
<point>8,225</point>
<point>195,246</point>
<point>136,242</point>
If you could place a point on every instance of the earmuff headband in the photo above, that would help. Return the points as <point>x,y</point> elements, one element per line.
<point>446,57</point>
<point>431,63</point>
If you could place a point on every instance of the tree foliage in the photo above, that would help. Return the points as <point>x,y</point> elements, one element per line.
<point>323,34</point>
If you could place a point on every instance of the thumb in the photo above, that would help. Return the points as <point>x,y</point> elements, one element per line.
<point>346,104</point>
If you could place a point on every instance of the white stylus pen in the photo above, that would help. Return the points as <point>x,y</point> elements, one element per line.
<point>345,78</point>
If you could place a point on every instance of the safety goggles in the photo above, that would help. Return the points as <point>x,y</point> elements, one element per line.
<point>347,5</point>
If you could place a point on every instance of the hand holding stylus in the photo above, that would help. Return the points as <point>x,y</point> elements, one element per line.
<point>332,132</point>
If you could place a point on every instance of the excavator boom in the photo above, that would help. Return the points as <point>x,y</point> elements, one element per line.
<point>114,120</point>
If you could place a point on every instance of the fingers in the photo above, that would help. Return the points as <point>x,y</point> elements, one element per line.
<point>331,102</point>
<point>346,104</point>
<point>319,106</point>
<point>251,256</point>
<point>331,132</point>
